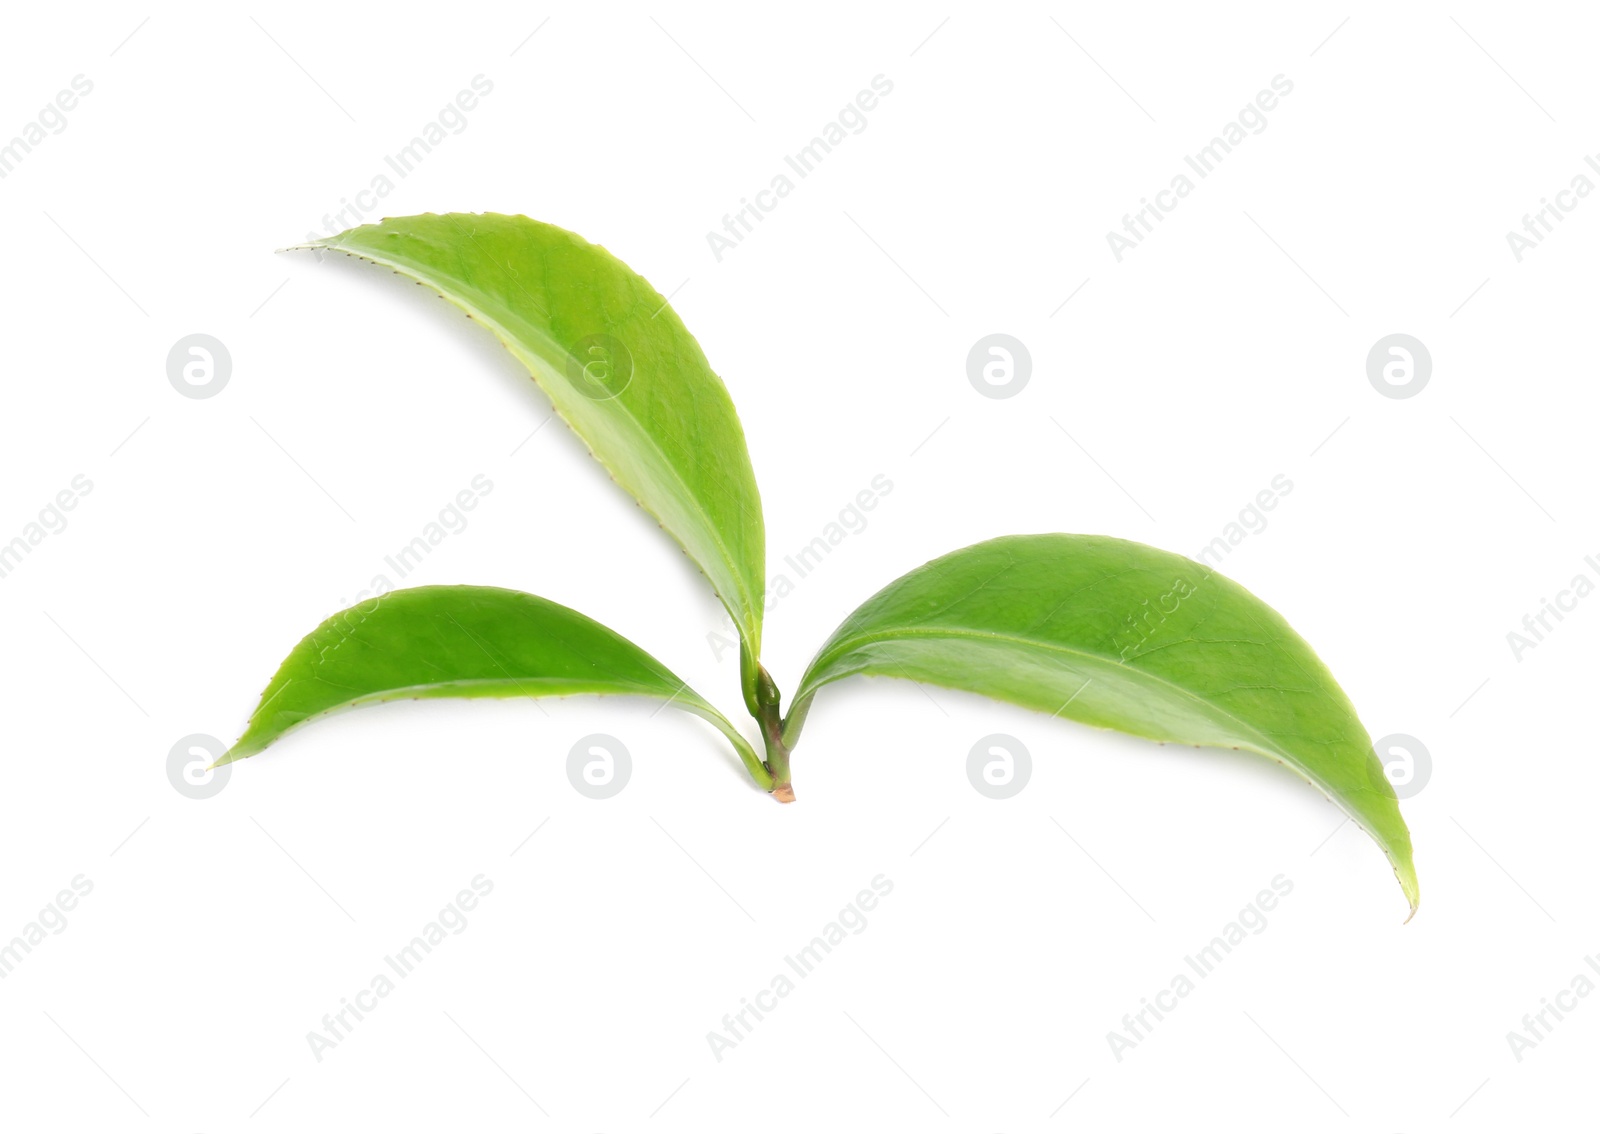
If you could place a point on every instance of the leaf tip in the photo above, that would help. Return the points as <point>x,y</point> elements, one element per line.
<point>1406,875</point>
<point>242,749</point>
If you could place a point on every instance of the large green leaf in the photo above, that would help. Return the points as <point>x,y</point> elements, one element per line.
<point>1121,636</point>
<point>462,642</point>
<point>619,367</point>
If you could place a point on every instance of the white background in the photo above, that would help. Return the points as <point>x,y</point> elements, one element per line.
<point>1228,348</point>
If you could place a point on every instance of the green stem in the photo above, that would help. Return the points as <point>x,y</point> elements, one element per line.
<point>770,719</point>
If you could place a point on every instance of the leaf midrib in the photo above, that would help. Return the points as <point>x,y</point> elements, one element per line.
<point>963,634</point>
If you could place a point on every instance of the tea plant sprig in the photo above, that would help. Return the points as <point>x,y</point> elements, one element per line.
<point>1094,629</point>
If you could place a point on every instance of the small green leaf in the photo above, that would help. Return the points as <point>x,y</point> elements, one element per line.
<point>462,642</point>
<point>1126,637</point>
<point>620,368</point>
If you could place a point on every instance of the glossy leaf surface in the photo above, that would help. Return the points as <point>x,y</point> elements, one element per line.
<point>619,367</point>
<point>462,642</point>
<point>1127,637</point>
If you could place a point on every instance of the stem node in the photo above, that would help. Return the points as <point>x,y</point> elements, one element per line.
<point>771,721</point>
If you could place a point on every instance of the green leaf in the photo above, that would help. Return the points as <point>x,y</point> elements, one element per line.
<point>462,642</point>
<point>1126,637</point>
<point>619,367</point>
